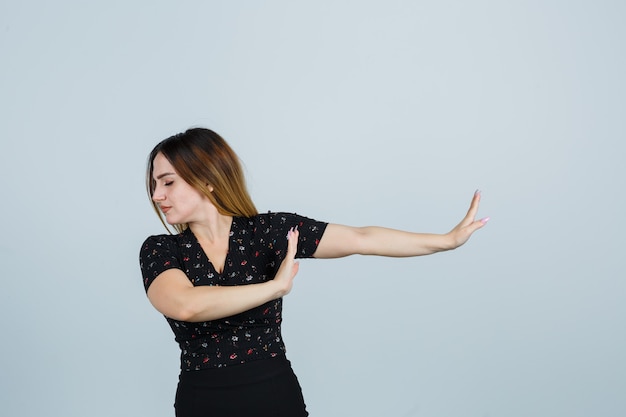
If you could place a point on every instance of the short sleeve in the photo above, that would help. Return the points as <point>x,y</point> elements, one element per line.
<point>311,231</point>
<point>157,255</point>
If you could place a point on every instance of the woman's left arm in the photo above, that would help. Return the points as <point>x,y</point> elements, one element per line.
<point>339,240</point>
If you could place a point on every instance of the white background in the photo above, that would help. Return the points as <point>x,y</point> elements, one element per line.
<point>357,112</point>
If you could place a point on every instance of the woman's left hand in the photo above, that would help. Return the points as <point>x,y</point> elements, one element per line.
<point>463,231</point>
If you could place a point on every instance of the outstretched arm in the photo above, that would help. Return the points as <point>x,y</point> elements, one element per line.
<point>339,240</point>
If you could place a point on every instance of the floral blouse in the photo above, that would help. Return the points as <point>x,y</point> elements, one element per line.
<point>257,247</point>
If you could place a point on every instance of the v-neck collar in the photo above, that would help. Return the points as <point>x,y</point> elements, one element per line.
<point>194,240</point>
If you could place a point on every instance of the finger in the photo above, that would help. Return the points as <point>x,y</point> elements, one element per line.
<point>292,247</point>
<point>475,201</point>
<point>473,209</point>
<point>292,243</point>
<point>478,224</point>
<point>469,217</point>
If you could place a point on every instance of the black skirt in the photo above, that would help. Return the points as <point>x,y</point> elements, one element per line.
<point>263,388</point>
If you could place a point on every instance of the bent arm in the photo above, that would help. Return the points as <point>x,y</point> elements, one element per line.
<point>172,294</point>
<point>339,240</point>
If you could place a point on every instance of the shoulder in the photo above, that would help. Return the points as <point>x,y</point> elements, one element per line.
<point>276,220</point>
<point>160,253</point>
<point>281,218</point>
<point>162,244</point>
<point>281,222</point>
<point>158,241</point>
<point>269,227</point>
<point>269,219</point>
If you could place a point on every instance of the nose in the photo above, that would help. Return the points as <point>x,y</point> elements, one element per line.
<point>158,195</point>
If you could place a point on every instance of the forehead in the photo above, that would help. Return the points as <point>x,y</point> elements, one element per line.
<point>161,167</point>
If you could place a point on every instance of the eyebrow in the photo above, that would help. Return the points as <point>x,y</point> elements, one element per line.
<point>165,174</point>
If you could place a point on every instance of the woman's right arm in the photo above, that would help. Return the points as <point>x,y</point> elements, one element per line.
<point>172,294</point>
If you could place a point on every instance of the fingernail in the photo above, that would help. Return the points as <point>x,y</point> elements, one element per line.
<point>477,191</point>
<point>485,220</point>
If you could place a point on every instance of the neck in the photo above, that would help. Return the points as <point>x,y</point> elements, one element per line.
<point>212,229</point>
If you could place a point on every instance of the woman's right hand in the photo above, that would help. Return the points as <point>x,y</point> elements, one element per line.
<point>288,267</point>
<point>175,296</point>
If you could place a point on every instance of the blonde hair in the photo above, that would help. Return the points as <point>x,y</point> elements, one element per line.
<point>204,160</point>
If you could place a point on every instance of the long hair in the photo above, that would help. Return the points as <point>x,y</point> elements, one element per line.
<point>203,159</point>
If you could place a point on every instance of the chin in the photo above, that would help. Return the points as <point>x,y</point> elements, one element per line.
<point>171,221</point>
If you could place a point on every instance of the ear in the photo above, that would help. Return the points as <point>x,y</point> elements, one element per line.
<point>210,188</point>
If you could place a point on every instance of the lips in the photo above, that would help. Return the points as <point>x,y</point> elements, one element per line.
<point>165,209</point>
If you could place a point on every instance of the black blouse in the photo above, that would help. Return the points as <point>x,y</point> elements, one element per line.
<point>257,246</point>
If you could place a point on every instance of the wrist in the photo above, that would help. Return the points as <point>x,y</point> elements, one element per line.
<point>448,242</point>
<point>274,289</point>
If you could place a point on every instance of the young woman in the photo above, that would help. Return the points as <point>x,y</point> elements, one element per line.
<point>220,280</point>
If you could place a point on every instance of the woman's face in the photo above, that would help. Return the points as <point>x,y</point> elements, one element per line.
<point>179,202</point>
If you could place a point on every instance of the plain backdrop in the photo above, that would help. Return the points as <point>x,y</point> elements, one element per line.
<point>357,112</point>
